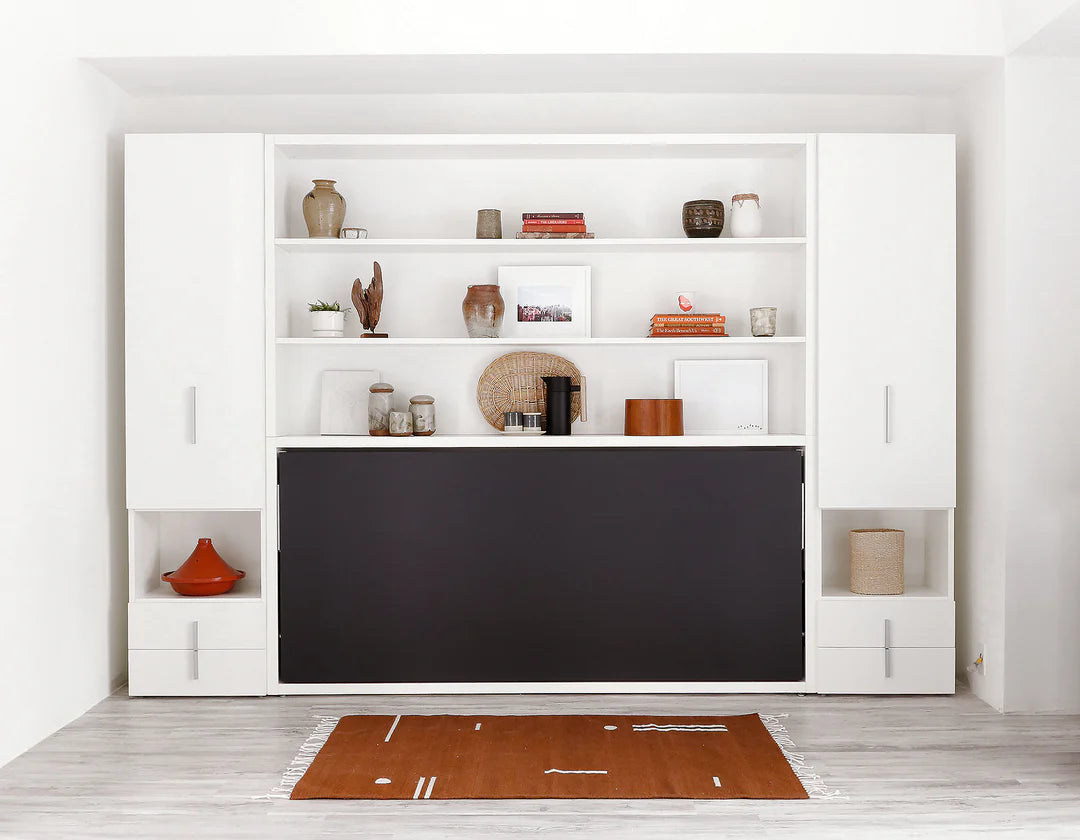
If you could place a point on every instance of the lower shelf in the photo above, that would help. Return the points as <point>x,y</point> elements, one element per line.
<point>438,441</point>
<point>190,673</point>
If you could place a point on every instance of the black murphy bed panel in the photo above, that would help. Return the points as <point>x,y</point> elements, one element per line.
<point>540,565</point>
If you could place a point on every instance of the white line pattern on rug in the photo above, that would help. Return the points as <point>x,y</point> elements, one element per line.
<point>393,726</point>
<point>716,781</point>
<point>477,727</point>
<point>430,785</point>
<point>655,727</point>
<point>419,787</point>
<point>589,772</point>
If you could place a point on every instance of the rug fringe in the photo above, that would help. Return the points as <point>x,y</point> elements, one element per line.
<point>304,756</point>
<point>812,783</point>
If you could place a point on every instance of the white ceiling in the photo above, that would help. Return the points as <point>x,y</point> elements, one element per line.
<point>400,74</point>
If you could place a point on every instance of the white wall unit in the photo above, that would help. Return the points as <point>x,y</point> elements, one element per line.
<point>417,195</point>
<point>196,407</point>
<point>887,321</point>
<point>194,324</point>
<point>886,397</point>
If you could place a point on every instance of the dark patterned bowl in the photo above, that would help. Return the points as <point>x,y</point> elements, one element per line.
<point>703,218</point>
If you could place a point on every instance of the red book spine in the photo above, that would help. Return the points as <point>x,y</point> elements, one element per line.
<point>531,228</point>
<point>689,319</point>
<point>661,332</point>
<point>527,216</point>
<point>529,222</point>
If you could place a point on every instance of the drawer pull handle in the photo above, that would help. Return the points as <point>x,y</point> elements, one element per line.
<point>195,627</point>
<point>887,652</point>
<point>888,414</point>
<point>194,415</point>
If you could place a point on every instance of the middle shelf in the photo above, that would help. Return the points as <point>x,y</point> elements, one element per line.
<point>527,342</point>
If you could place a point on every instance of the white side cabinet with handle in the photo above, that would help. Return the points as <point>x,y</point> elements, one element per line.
<point>887,321</point>
<point>194,311</point>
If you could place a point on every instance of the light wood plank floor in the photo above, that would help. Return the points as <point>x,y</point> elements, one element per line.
<point>909,767</point>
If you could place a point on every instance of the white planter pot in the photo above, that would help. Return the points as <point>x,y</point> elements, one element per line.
<point>328,324</point>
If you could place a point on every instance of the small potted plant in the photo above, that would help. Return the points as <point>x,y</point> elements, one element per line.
<point>327,319</point>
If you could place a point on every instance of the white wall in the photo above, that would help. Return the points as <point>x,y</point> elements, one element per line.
<point>62,584</point>
<point>1040,390</point>
<point>982,356</point>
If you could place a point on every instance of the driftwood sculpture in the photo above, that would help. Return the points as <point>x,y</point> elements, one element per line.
<point>368,303</point>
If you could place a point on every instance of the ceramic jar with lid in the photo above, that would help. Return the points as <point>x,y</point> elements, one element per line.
<point>745,215</point>
<point>380,401</point>
<point>422,409</point>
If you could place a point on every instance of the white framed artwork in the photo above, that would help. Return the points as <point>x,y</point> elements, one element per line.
<point>546,301</point>
<point>344,408</point>
<point>723,396</point>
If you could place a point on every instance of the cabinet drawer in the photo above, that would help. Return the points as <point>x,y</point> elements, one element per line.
<point>863,671</point>
<point>172,625</point>
<point>186,673</point>
<point>862,624</point>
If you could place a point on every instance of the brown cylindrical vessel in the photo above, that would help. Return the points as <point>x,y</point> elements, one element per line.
<point>483,309</point>
<point>654,417</point>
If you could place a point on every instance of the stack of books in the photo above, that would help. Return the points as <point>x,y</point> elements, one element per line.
<point>553,226</point>
<point>687,326</point>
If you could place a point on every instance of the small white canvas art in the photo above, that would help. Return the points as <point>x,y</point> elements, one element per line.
<point>345,401</point>
<point>723,396</point>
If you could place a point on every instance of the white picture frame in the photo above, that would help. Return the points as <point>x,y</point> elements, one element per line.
<point>723,396</point>
<point>344,397</point>
<point>547,286</point>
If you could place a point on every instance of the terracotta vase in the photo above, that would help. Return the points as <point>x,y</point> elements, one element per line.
<point>203,573</point>
<point>483,309</point>
<point>324,210</point>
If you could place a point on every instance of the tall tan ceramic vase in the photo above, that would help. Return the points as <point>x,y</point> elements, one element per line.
<point>324,210</point>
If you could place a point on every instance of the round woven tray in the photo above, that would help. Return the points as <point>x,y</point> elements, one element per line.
<point>512,383</point>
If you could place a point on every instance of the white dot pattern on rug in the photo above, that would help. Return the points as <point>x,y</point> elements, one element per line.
<point>610,728</point>
<point>382,780</point>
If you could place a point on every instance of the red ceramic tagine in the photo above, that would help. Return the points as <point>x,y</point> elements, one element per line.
<point>203,573</point>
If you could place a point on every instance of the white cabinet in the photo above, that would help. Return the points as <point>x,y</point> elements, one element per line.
<point>887,321</point>
<point>194,310</point>
<point>189,673</point>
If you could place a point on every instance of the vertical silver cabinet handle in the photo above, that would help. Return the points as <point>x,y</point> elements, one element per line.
<point>888,414</point>
<point>194,414</point>
<point>888,653</point>
<point>195,629</point>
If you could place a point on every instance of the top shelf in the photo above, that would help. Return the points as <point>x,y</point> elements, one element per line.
<point>491,146</point>
<point>342,246</point>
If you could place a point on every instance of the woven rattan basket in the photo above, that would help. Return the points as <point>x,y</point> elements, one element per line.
<point>877,561</point>
<point>512,383</point>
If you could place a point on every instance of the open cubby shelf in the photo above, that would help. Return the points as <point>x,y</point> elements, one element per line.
<point>927,550</point>
<point>161,541</point>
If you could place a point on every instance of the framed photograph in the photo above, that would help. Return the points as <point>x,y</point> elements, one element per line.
<point>344,408</point>
<point>546,301</point>
<point>722,397</point>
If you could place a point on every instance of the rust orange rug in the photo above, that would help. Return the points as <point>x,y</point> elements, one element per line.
<point>545,757</point>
